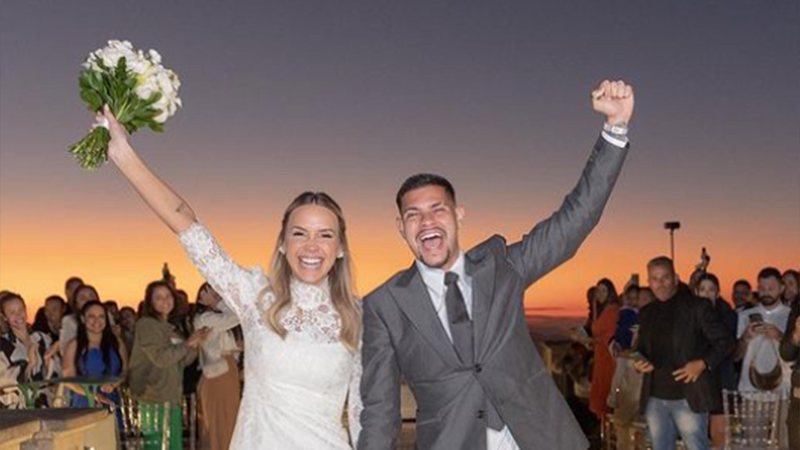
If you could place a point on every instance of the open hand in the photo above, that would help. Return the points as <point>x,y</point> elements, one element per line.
<point>769,330</point>
<point>642,366</point>
<point>690,372</point>
<point>614,99</point>
<point>198,337</point>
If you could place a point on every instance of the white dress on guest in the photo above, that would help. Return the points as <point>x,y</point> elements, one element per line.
<point>295,388</point>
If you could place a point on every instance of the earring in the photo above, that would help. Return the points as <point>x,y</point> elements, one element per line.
<point>340,255</point>
<point>281,250</point>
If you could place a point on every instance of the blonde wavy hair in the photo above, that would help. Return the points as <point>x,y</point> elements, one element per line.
<point>343,296</point>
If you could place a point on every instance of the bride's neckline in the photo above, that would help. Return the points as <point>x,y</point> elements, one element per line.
<point>309,296</point>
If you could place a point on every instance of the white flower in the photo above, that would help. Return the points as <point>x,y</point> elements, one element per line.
<point>154,56</point>
<point>151,77</point>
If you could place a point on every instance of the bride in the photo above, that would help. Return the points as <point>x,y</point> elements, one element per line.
<point>302,324</point>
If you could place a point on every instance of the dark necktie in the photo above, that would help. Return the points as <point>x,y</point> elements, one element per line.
<point>460,325</point>
<point>461,331</point>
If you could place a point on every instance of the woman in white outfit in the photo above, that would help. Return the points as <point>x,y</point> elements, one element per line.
<point>302,324</point>
<point>218,391</point>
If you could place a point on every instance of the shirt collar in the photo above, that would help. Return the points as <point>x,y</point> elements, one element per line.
<point>434,277</point>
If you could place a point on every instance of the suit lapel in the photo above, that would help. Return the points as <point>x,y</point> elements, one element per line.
<point>412,297</point>
<point>482,271</point>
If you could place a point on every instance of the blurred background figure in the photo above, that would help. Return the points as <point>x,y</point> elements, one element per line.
<point>22,351</point>
<point>96,354</point>
<point>760,330</point>
<point>69,324</point>
<point>791,291</point>
<point>218,390</point>
<point>627,321</point>
<point>790,352</point>
<point>606,305</point>
<point>113,311</point>
<point>742,291</point>
<point>70,286</point>
<point>160,353</point>
<point>127,324</point>
<point>708,289</point>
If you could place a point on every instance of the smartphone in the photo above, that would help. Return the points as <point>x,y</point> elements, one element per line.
<point>755,318</point>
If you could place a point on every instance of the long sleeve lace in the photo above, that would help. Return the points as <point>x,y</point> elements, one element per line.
<point>354,405</point>
<point>238,287</point>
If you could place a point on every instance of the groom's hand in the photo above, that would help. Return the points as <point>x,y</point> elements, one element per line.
<point>614,99</point>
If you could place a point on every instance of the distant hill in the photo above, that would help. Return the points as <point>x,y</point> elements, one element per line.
<point>552,326</point>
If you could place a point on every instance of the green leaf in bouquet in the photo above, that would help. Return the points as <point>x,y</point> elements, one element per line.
<point>85,80</point>
<point>156,126</point>
<point>121,71</point>
<point>154,97</point>
<point>130,82</point>
<point>92,151</point>
<point>92,98</point>
<point>145,112</point>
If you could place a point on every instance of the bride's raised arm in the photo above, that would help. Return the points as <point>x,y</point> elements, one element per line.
<point>165,202</point>
<point>237,287</point>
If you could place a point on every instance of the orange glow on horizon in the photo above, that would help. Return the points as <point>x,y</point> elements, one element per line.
<point>120,256</point>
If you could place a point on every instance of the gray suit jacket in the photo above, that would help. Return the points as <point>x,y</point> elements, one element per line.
<point>404,338</point>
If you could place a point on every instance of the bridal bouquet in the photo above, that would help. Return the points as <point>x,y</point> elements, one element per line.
<point>136,87</point>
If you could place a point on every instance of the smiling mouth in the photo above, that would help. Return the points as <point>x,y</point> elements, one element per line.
<point>310,263</point>
<point>431,239</point>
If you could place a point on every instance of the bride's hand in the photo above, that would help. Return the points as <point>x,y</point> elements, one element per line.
<point>119,135</point>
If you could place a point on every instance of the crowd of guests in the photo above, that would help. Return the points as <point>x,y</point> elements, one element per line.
<point>157,355</point>
<point>689,344</point>
<point>686,339</point>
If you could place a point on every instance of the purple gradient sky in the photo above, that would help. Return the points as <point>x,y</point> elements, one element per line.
<point>352,97</point>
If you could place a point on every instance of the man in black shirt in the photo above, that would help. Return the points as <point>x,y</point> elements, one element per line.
<point>680,342</point>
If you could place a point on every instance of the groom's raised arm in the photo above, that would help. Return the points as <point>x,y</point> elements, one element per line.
<point>380,383</point>
<point>557,238</point>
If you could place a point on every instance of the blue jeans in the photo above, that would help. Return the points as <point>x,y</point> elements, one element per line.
<point>668,418</point>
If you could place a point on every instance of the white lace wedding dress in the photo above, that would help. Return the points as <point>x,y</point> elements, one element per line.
<point>294,388</point>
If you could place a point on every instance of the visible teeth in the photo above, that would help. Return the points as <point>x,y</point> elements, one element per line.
<point>313,262</point>
<point>431,235</point>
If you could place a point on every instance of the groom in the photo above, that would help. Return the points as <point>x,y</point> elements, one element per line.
<point>453,325</point>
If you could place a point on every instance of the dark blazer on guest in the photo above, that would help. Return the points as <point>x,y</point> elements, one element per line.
<point>697,333</point>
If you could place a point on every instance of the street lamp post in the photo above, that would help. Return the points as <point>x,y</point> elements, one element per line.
<point>672,226</point>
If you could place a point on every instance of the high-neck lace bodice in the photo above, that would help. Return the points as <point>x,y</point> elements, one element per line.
<point>296,387</point>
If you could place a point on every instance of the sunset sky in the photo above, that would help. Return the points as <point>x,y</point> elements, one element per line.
<point>352,97</point>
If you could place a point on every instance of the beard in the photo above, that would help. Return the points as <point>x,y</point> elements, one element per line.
<point>436,264</point>
<point>766,300</point>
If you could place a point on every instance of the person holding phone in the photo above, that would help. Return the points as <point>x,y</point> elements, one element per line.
<point>761,328</point>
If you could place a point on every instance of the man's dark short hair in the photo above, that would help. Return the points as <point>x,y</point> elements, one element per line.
<point>661,261</point>
<point>421,180</point>
<point>770,272</point>
<point>743,282</point>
